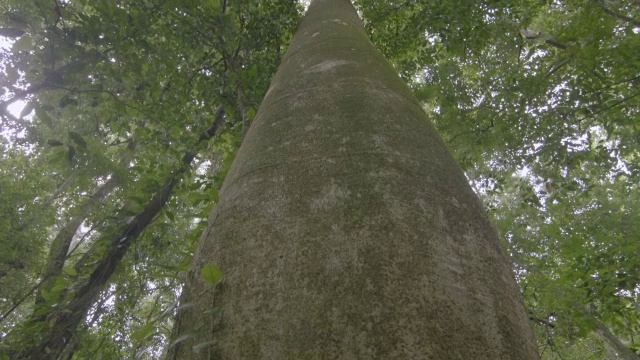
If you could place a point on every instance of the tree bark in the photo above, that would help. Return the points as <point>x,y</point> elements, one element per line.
<point>345,229</point>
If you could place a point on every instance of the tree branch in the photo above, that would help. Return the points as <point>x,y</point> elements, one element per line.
<point>65,320</point>
<point>530,35</point>
<point>632,21</point>
<point>614,342</point>
<point>608,107</point>
<point>60,245</point>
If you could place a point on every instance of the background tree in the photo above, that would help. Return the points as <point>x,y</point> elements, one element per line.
<point>537,101</point>
<point>126,97</point>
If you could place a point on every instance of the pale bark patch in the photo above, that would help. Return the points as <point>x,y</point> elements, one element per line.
<point>341,22</point>
<point>329,198</point>
<point>326,66</point>
<point>381,143</point>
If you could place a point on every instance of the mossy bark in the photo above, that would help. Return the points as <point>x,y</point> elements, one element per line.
<point>345,229</point>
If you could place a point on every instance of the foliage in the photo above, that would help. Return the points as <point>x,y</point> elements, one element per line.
<point>124,93</point>
<point>538,101</point>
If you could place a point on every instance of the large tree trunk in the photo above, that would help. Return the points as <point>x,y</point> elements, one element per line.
<point>345,229</point>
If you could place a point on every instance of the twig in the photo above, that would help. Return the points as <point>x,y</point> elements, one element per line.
<point>632,21</point>
<point>25,297</point>
<point>608,107</point>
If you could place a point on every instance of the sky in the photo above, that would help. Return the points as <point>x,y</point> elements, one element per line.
<point>15,108</point>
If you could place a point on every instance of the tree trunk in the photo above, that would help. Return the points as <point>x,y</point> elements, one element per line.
<point>60,245</point>
<point>618,346</point>
<point>345,229</point>
<point>64,320</point>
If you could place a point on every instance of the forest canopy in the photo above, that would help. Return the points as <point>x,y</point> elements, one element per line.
<point>120,119</point>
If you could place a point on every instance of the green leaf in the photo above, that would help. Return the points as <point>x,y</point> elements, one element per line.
<point>143,332</point>
<point>45,295</point>
<point>71,153</point>
<point>211,274</point>
<point>66,101</point>
<point>61,283</point>
<point>78,139</point>
<point>11,32</point>
<point>22,44</point>
<point>54,143</point>
<point>44,117</point>
<point>251,113</point>
<point>16,19</point>
<point>57,289</point>
<point>212,5</point>
<point>70,271</point>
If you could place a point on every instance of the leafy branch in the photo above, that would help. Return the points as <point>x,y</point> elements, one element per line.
<point>606,10</point>
<point>67,318</point>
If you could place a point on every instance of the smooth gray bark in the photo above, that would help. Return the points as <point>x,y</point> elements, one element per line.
<point>345,229</point>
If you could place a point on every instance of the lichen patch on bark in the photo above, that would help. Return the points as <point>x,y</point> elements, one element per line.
<point>329,197</point>
<point>326,66</point>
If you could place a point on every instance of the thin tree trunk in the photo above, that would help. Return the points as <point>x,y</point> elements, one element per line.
<point>66,318</point>
<point>59,248</point>
<point>60,189</point>
<point>632,21</point>
<point>345,229</point>
<point>618,346</point>
<point>61,243</point>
